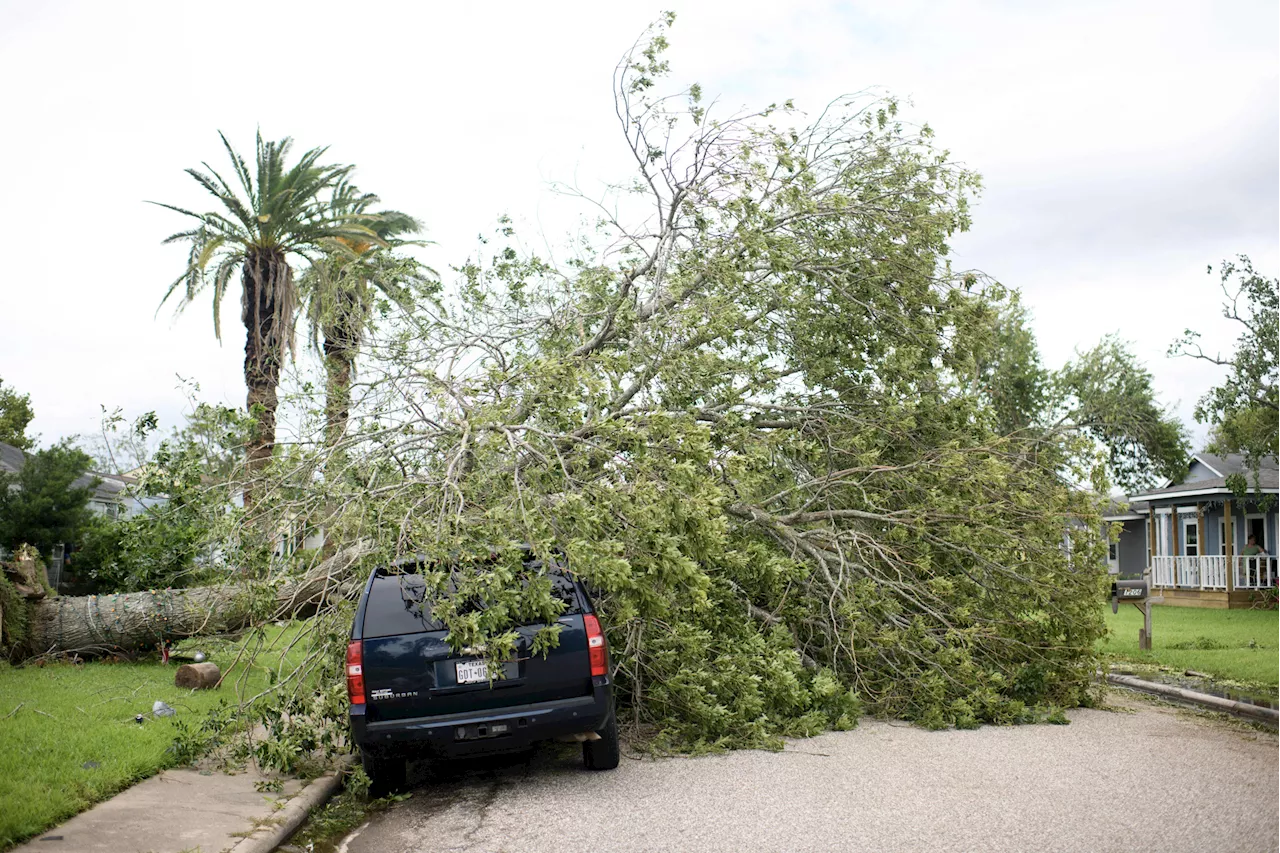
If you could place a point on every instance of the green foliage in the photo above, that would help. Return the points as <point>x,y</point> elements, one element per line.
<point>275,214</point>
<point>153,550</point>
<point>329,824</point>
<point>808,470</point>
<point>194,738</point>
<point>15,414</point>
<point>345,289</point>
<point>275,209</point>
<point>1264,599</point>
<point>183,489</point>
<point>1245,409</point>
<point>13,625</point>
<point>769,432</point>
<point>1104,395</point>
<point>1009,370</point>
<point>40,505</point>
<point>1116,405</point>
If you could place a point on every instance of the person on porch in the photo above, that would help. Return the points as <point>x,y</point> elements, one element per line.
<point>1253,550</point>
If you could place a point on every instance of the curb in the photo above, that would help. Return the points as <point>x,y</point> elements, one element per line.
<point>1214,703</point>
<point>315,794</point>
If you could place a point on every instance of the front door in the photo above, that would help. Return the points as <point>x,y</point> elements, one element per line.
<point>1256,526</point>
<point>1191,537</point>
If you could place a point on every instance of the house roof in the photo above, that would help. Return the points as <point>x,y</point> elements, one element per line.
<point>1268,479</point>
<point>12,460</point>
<point>1234,463</point>
<point>1125,510</point>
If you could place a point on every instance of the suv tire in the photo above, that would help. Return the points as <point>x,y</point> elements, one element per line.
<point>603,754</point>
<point>387,773</point>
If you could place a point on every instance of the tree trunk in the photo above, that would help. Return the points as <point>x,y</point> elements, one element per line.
<point>103,624</point>
<point>268,304</point>
<point>339,365</point>
<point>341,343</point>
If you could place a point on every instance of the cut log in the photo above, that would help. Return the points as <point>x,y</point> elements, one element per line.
<point>198,676</point>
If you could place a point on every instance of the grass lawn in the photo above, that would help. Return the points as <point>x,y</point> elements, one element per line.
<point>1232,645</point>
<point>73,741</point>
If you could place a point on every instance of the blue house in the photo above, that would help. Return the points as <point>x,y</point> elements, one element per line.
<point>1191,540</point>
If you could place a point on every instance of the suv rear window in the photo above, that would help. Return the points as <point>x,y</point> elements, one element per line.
<point>396,604</point>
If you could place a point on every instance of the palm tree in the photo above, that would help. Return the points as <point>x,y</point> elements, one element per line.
<point>339,290</point>
<point>276,213</point>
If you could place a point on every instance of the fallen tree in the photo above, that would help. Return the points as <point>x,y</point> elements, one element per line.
<point>94,625</point>
<point>809,469</point>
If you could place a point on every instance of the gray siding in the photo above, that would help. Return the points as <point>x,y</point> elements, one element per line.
<point>1212,543</point>
<point>1198,472</point>
<point>1133,549</point>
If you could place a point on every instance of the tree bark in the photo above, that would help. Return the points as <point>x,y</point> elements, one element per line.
<point>340,357</point>
<point>342,333</point>
<point>198,676</point>
<point>104,624</point>
<point>268,303</point>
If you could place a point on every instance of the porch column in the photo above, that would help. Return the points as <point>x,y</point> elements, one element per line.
<point>1200,540</point>
<point>1151,543</point>
<point>1173,533</point>
<point>1228,532</point>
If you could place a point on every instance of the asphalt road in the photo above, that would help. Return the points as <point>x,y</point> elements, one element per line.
<point>1149,778</point>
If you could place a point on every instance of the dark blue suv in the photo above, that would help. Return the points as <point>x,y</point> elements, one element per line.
<point>411,694</point>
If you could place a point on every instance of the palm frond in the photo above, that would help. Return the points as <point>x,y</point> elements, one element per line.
<point>181,210</point>
<point>242,171</point>
<point>220,280</point>
<point>222,190</point>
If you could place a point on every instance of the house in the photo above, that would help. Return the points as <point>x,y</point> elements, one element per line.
<point>109,497</point>
<point>1188,538</point>
<point>1127,556</point>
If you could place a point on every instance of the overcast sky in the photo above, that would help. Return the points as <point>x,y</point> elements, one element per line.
<point>1124,147</point>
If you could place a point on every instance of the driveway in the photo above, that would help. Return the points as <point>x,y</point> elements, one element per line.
<point>1146,777</point>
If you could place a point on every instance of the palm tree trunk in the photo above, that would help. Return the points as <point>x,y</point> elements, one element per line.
<point>342,333</point>
<point>267,309</point>
<point>341,342</point>
<point>339,365</point>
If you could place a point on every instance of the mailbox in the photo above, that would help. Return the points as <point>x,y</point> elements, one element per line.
<point>1135,591</point>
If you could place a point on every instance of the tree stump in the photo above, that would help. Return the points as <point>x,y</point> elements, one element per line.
<point>199,676</point>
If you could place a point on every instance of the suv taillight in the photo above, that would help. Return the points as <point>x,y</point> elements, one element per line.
<point>355,672</point>
<point>595,644</point>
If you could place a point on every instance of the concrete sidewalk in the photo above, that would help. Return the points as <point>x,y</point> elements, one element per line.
<point>176,811</point>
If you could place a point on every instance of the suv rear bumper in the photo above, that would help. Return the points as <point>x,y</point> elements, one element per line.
<point>450,735</point>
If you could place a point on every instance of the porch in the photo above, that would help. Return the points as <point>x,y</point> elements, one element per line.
<point>1186,538</point>
<point>1210,572</point>
<point>1213,581</point>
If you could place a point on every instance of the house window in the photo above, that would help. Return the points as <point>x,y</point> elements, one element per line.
<point>1191,536</point>
<point>1222,536</point>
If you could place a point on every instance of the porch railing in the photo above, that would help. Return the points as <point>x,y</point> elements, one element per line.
<point>1210,572</point>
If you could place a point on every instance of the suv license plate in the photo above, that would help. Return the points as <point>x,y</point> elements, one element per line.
<point>472,671</point>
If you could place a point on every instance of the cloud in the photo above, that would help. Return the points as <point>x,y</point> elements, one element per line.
<point>1124,146</point>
